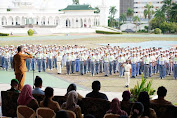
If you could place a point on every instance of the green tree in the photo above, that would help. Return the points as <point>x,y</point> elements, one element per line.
<point>97,10</point>
<point>167,4</point>
<point>76,2</point>
<point>148,13</point>
<point>173,12</point>
<point>160,16</point>
<point>136,19</point>
<point>122,18</point>
<point>112,12</point>
<point>130,13</point>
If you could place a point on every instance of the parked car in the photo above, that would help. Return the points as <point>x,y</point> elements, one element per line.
<point>129,30</point>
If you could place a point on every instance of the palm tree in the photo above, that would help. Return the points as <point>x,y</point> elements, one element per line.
<point>136,19</point>
<point>112,12</point>
<point>148,13</point>
<point>159,14</point>
<point>76,2</point>
<point>167,4</point>
<point>130,13</point>
<point>97,10</point>
<point>122,18</point>
<point>173,13</point>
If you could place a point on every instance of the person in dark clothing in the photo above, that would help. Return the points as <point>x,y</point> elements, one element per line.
<point>96,85</point>
<point>14,86</point>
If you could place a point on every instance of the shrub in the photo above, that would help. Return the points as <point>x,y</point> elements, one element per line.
<point>143,86</point>
<point>30,32</point>
<point>157,31</point>
<point>4,34</point>
<point>107,32</point>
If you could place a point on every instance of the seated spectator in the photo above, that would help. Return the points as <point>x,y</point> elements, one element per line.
<point>96,85</point>
<point>126,96</point>
<point>62,114</point>
<point>26,98</point>
<point>137,110</point>
<point>89,116</point>
<point>14,86</point>
<point>144,99</point>
<point>115,108</point>
<point>38,86</point>
<point>48,102</point>
<point>72,87</point>
<point>161,92</point>
<point>71,104</point>
<point>126,104</point>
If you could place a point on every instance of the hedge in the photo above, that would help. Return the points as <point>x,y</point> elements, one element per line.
<point>4,34</point>
<point>157,31</point>
<point>107,32</point>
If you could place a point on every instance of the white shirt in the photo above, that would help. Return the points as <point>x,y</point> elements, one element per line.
<point>121,60</point>
<point>98,58</point>
<point>73,57</point>
<point>127,67</point>
<point>92,58</point>
<point>133,60</point>
<point>82,58</point>
<point>111,58</point>
<point>6,55</point>
<point>146,60</point>
<point>59,58</point>
<point>175,60</point>
<point>161,60</point>
<point>106,59</point>
<point>50,55</point>
<point>39,56</point>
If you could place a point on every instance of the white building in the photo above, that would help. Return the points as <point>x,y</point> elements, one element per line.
<point>139,6</point>
<point>24,14</point>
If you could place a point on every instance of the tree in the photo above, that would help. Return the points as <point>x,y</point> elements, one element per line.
<point>160,16</point>
<point>130,13</point>
<point>122,18</point>
<point>97,10</point>
<point>173,12</point>
<point>112,12</point>
<point>136,19</point>
<point>148,13</point>
<point>76,2</point>
<point>167,4</point>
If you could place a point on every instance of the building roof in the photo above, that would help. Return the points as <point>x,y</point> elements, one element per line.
<point>78,7</point>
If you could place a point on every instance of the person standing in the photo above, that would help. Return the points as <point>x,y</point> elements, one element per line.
<point>106,64</point>
<point>97,63</point>
<point>175,66</point>
<point>133,64</point>
<point>81,63</point>
<point>92,64</point>
<point>121,60</point>
<point>39,61</point>
<point>162,66</point>
<point>85,63</point>
<point>73,62</point>
<point>59,63</point>
<point>6,59</point>
<point>68,63</point>
<point>127,72</point>
<point>111,60</point>
<point>19,65</point>
<point>146,62</point>
<point>44,61</point>
<point>77,62</point>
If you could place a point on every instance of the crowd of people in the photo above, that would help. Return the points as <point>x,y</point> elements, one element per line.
<point>140,109</point>
<point>105,59</point>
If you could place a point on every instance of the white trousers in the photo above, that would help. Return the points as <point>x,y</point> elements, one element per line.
<point>127,78</point>
<point>58,67</point>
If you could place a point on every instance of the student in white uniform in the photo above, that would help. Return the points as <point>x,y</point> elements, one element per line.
<point>59,63</point>
<point>127,72</point>
<point>106,64</point>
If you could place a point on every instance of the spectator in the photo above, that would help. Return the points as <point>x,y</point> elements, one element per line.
<point>161,92</point>
<point>48,102</point>
<point>126,96</point>
<point>38,86</point>
<point>89,116</point>
<point>71,103</point>
<point>115,108</point>
<point>62,114</point>
<point>14,86</point>
<point>137,110</point>
<point>126,104</point>
<point>96,85</point>
<point>72,87</point>
<point>26,98</point>
<point>144,99</point>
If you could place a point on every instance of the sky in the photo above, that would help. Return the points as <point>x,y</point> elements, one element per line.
<point>60,4</point>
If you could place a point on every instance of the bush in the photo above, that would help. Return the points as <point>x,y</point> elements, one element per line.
<point>30,32</point>
<point>107,32</point>
<point>143,86</point>
<point>157,31</point>
<point>142,31</point>
<point>4,34</point>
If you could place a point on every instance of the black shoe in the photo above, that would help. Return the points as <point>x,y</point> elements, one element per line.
<point>133,76</point>
<point>59,73</point>
<point>126,86</point>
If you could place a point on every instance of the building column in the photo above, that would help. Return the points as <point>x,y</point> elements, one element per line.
<point>0,21</point>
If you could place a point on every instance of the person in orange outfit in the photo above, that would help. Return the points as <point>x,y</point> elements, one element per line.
<point>19,65</point>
